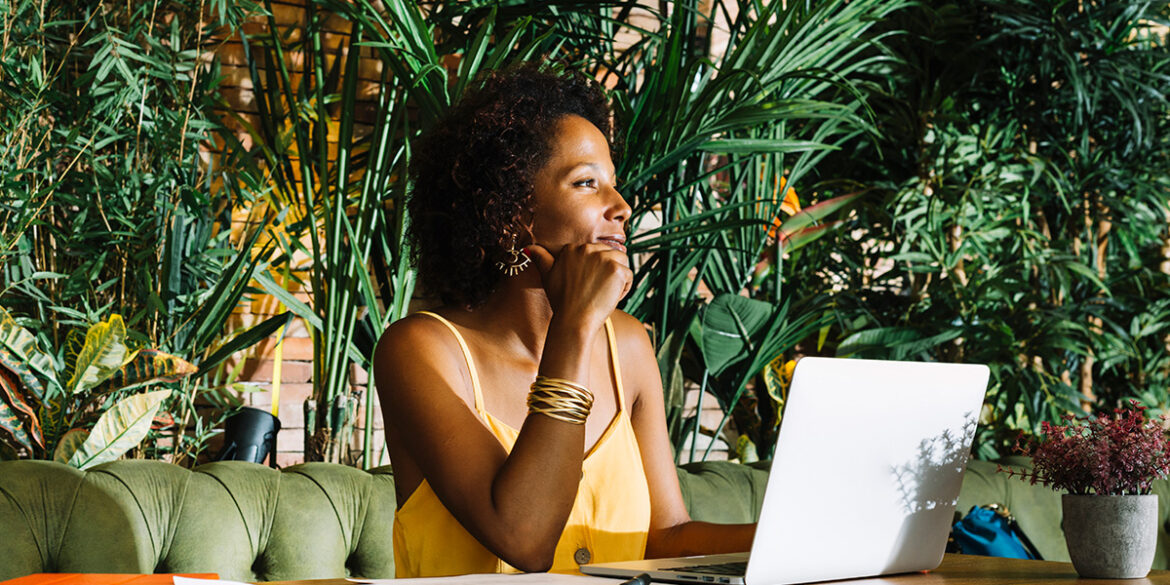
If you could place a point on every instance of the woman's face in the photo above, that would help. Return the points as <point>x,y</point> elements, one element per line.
<point>576,197</point>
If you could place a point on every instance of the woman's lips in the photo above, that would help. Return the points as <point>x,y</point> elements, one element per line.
<point>617,243</point>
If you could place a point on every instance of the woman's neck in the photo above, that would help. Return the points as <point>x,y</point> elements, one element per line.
<point>516,315</point>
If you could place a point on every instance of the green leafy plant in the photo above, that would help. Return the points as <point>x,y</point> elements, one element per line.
<point>110,200</point>
<point>1021,168</point>
<point>80,405</point>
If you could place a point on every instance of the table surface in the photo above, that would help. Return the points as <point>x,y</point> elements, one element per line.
<point>955,570</point>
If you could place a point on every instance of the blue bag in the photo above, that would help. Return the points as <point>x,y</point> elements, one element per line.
<point>991,531</point>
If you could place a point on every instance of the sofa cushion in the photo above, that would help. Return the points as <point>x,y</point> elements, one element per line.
<point>723,492</point>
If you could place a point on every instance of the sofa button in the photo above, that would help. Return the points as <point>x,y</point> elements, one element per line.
<point>582,556</point>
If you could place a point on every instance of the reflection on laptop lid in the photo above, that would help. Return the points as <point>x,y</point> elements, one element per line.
<point>867,470</point>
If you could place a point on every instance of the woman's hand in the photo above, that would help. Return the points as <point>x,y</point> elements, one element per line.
<point>584,281</point>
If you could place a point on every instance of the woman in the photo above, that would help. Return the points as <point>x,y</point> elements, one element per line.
<point>524,416</point>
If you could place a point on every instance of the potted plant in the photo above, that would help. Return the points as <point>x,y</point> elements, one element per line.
<point>1107,464</point>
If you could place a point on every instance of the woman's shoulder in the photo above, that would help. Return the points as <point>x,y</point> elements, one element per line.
<point>628,328</point>
<point>633,339</point>
<point>417,336</point>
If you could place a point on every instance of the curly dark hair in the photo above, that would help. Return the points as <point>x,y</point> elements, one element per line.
<point>473,175</point>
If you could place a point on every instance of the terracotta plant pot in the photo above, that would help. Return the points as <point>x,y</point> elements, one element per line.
<point>1111,537</point>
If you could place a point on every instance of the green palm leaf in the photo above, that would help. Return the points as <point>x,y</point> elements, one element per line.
<point>118,430</point>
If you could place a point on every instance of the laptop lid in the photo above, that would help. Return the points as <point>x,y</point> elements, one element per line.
<point>868,465</point>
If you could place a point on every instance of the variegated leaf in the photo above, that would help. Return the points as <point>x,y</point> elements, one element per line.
<point>121,428</point>
<point>12,426</point>
<point>19,419</point>
<point>74,342</point>
<point>21,370</point>
<point>148,366</point>
<point>103,354</point>
<point>69,444</point>
<point>53,422</point>
<point>24,348</point>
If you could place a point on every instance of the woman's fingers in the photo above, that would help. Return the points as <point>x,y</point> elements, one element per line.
<point>585,281</point>
<point>542,258</point>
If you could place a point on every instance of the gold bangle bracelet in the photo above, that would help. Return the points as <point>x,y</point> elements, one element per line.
<point>561,387</point>
<point>573,409</point>
<point>560,399</point>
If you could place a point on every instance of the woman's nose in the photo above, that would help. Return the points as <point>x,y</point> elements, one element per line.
<point>619,209</point>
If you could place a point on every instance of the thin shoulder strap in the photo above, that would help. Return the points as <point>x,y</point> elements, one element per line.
<point>467,357</point>
<point>617,368</point>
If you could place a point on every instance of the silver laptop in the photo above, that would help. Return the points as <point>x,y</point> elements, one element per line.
<point>864,481</point>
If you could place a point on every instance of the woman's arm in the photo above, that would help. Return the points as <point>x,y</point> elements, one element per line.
<point>425,393</point>
<point>672,532</point>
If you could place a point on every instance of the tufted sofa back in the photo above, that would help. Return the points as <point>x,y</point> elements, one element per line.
<point>241,520</point>
<point>245,521</point>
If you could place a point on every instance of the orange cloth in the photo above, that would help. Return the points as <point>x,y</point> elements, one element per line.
<point>609,520</point>
<point>103,579</point>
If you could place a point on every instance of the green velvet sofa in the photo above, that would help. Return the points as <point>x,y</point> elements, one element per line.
<point>251,523</point>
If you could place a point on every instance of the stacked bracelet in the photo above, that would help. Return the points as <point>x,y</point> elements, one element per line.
<point>560,399</point>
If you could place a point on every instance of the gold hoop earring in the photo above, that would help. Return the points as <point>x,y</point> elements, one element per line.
<point>516,261</point>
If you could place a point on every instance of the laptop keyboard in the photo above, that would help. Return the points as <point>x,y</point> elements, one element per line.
<point>732,568</point>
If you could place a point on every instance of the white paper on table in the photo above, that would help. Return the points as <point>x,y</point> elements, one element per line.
<point>193,581</point>
<point>497,579</point>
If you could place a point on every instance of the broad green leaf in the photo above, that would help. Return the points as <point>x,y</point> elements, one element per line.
<point>758,145</point>
<point>120,429</point>
<point>731,324</point>
<point>881,337</point>
<point>103,354</point>
<point>146,367</point>
<point>792,242</point>
<point>745,450</point>
<point>69,444</point>
<point>895,342</point>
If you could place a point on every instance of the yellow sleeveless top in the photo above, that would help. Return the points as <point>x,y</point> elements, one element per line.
<point>608,522</point>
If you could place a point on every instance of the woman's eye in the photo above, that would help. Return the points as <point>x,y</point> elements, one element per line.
<point>585,183</point>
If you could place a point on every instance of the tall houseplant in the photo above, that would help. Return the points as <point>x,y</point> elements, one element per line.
<point>110,202</point>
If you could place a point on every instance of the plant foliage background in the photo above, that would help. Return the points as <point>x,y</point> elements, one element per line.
<point>981,181</point>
